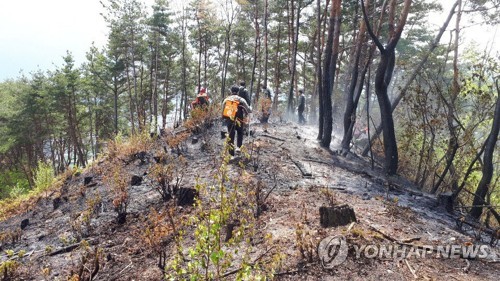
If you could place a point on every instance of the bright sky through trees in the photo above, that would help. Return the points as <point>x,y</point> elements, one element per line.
<point>36,34</point>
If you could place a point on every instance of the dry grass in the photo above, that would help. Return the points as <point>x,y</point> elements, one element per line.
<point>125,148</point>
<point>201,117</point>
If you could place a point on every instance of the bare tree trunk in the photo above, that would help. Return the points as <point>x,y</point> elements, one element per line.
<point>482,188</point>
<point>227,42</point>
<point>200,51</point>
<point>205,64</point>
<point>450,117</point>
<point>319,73</point>
<point>255,54</point>
<point>294,58</point>
<point>290,25</point>
<point>266,48</point>
<point>414,74</point>
<point>131,103</point>
<point>351,100</point>
<point>382,80</point>
<point>330,63</point>
<point>164,108</point>
<point>277,73</point>
<point>183,105</point>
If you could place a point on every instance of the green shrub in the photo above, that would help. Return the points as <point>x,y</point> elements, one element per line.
<point>17,190</point>
<point>13,183</point>
<point>44,176</point>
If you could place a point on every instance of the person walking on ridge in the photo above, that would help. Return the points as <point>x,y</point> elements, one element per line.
<point>234,110</point>
<point>301,107</point>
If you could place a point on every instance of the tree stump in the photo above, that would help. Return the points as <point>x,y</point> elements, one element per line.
<point>87,180</point>
<point>56,202</point>
<point>186,196</point>
<point>136,180</point>
<point>25,223</point>
<point>446,200</point>
<point>160,159</point>
<point>141,156</point>
<point>336,215</point>
<point>121,218</point>
<point>230,228</point>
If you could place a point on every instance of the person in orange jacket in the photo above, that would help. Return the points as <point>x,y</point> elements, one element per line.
<point>202,100</point>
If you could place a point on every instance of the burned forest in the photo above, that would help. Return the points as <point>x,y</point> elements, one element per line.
<point>259,140</point>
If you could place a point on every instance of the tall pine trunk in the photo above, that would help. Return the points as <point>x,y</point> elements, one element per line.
<point>406,87</point>
<point>356,82</point>
<point>383,78</point>
<point>483,187</point>
<point>329,66</point>
<point>319,71</point>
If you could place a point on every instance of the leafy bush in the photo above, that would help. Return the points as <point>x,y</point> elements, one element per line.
<point>44,176</point>
<point>18,190</point>
<point>224,226</point>
<point>13,184</point>
<point>8,269</point>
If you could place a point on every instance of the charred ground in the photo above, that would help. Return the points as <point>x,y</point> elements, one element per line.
<point>75,230</point>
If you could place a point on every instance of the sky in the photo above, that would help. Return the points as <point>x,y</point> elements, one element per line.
<point>35,34</point>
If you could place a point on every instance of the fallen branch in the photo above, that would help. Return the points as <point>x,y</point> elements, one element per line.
<point>386,236</point>
<point>64,250</point>
<point>68,248</point>
<point>251,264</point>
<point>271,137</point>
<point>125,268</point>
<point>411,269</point>
<point>302,168</point>
<point>318,161</point>
<point>16,256</point>
<point>411,240</point>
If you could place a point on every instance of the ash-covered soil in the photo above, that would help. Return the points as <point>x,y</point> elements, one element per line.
<point>59,238</point>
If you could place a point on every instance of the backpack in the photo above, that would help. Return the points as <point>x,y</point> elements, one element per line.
<point>201,100</point>
<point>230,109</point>
<point>244,94</point>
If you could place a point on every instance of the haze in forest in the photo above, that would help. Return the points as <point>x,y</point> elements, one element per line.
<point>248,138</point>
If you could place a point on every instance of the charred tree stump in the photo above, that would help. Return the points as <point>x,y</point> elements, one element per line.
<point>446,200</point>
<point>230,226</point>
<point>87,180</point>
<point>24,223</point>
<point>56,202</point>
<point>136,180</point>
<point>121,218</point>
<point>186,196</point>
<point>336,215</point>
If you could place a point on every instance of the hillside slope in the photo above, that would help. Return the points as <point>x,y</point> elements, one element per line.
<point>74,232</point>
